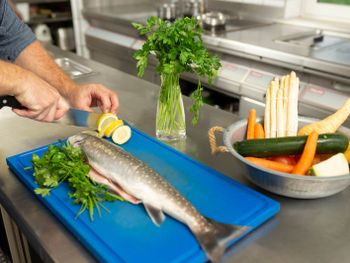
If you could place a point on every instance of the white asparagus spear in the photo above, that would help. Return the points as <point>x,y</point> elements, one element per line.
<point>285,101</point>
<point>267,120</point>
<point>292,127</point>
<point>273,110</point>
<point>281,125</point>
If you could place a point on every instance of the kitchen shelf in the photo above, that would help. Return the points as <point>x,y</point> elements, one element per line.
<point>40,1</point>
<point>49,20</point>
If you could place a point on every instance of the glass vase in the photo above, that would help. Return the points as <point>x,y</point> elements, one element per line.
<point>170,119</point>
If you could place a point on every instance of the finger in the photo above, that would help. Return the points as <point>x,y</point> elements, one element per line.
<point>43,115</point>
<point>104,102</point>
<point>114,102</point>
<point>22,113</point>
<point>50,115</point>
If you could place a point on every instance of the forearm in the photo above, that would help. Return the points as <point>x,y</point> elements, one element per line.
<point>11,77</point>
<point>35,59</point>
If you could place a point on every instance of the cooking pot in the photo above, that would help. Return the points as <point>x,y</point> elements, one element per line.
<point>167,12</point>
<point>213,20</point>
<point>193,8</point>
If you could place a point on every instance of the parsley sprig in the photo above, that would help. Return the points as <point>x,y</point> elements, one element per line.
<point>68,164</point>
<point>179,48</point>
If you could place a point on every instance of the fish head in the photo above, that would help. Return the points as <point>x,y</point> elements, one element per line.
<point>79,138</point>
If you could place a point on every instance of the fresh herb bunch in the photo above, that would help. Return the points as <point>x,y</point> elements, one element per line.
<point>179,48</point>
<point>68,164</point>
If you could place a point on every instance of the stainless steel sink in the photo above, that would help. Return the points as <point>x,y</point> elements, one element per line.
<point>323,45</point>
<point>72,68</point>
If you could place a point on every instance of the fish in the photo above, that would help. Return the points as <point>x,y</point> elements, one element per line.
<point>138,183</point>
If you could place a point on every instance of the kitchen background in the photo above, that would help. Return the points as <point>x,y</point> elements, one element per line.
<point>256,40</point>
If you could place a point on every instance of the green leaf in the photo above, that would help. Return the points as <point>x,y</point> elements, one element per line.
<point>179,48</point>
<point>137,26</point>
<point>42,191</point>
<point>68,164</point>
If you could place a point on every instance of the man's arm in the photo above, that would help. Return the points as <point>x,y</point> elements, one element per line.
<point>35,58</point>
<point>41,100</point>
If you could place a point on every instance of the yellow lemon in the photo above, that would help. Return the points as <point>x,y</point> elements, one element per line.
<point>104,121</point>
<point>122,134</point>
<point>111,127</point>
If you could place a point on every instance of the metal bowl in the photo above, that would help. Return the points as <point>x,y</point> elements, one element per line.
<point>303,187</point>
<point>213,20</point>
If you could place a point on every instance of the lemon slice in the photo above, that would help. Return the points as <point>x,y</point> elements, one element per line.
<point>111,127</point>
<point>122,134</point>
<point>104,121</point>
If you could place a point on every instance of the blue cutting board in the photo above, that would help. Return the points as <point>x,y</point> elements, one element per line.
<point>127,234</point>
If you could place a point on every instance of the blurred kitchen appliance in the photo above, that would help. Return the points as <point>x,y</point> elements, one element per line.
<point>214,21</point>
<point>23,9</point>
<point>167,12</point>
<point>252,53</point>
<point>43,33</point>
<point>65,38</point>
<point>194,8</point>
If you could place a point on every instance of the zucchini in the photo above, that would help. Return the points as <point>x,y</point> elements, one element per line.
<point>327,143</point>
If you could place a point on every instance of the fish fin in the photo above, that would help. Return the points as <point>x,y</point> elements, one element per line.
<point>120,191</point>
<point>97,177</point>
<point>215,240</point>
<point>155,214</point>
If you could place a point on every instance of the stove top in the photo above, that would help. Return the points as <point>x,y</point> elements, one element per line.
<point>233,24</point>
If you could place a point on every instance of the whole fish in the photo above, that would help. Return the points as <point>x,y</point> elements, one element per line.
<point>137,182</point>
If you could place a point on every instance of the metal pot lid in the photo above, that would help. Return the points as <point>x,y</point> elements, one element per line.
<point>214,19</point>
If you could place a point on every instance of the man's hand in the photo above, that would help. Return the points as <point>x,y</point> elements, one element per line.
<point>92,95</point>
<point>43,102</point>
<point>35,59</point>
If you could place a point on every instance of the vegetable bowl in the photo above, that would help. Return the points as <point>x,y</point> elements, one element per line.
<point>285,184</point>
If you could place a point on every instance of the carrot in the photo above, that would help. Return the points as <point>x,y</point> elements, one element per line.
<point>347,153</point>
<point>308,155</point>
<point>281,167</point>
<point>251,124</point>
<point>329,124</point>
<point>259,131</point>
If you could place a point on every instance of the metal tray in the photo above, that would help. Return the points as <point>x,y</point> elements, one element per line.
<point>72,68</point>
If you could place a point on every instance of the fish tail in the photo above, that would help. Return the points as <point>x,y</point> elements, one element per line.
<point>215,240</point>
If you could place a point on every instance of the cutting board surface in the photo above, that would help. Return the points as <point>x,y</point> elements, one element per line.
<point>127,234</point>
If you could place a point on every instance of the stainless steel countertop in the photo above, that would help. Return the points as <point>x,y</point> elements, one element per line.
<point>303,231</point>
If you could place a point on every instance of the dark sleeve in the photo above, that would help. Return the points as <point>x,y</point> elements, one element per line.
<point>14,34</point>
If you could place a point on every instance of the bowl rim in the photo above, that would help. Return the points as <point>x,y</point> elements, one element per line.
<point>243,122</point>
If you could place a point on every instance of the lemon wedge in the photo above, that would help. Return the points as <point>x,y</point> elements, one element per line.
<point>122,134</point>
<point>104,121</point>
<point>111,127</point>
